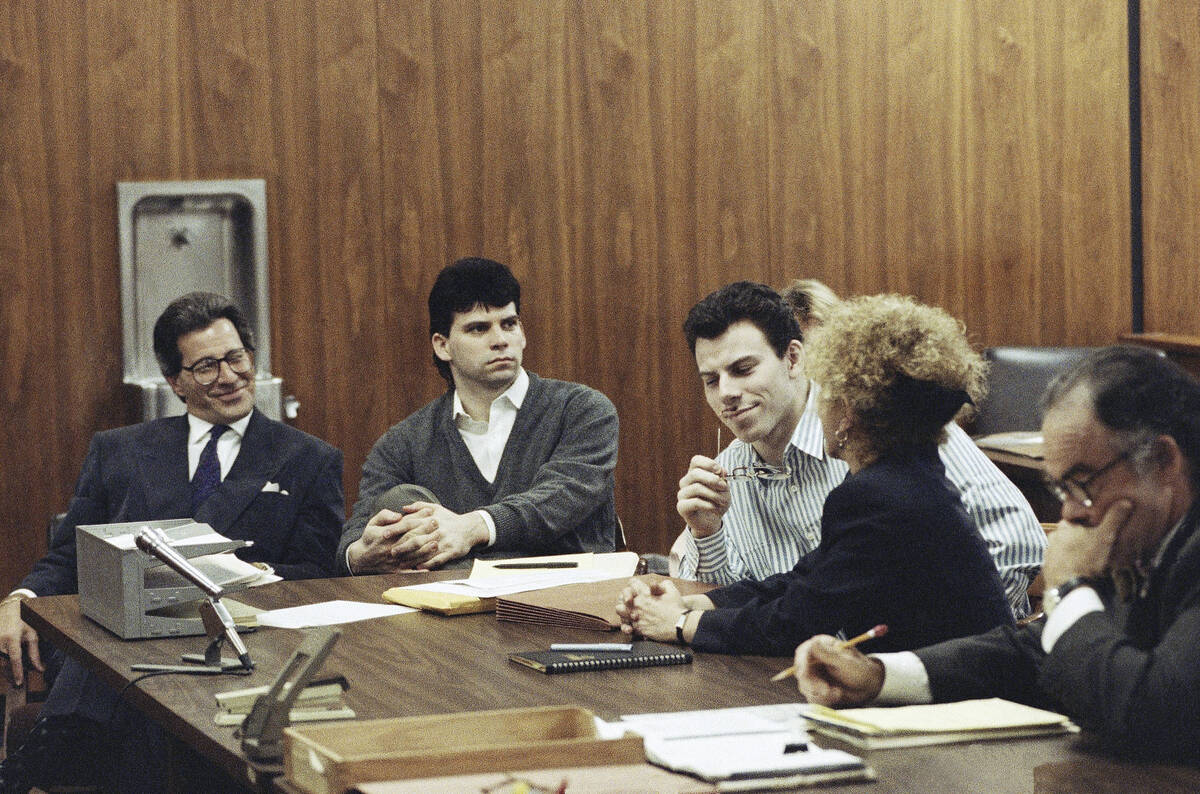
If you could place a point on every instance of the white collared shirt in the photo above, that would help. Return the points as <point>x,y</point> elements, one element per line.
<point>228,445</point>
<point>486,440</point>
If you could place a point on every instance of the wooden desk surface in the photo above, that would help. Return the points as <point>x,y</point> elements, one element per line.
<point>417,664</point>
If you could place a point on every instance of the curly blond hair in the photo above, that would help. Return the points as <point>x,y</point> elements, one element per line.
<point>811,301</point>
<point>903,368</point>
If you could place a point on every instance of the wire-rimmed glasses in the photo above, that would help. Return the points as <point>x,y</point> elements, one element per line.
<point>758,471</point>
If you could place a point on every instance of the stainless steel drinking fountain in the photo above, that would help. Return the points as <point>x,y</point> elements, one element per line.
<point>177,237</point>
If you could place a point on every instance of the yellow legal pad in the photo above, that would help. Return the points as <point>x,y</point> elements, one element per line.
<point>939,723</point>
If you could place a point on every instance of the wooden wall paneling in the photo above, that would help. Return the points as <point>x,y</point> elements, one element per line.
<point>225,89</point>
<point>351,273</point>
<point>417,188</point>
<point>731,164</point>
<point>1170,35</point>
<point>300,308</point>
<point>26,343</point>
<point>1095,130</point>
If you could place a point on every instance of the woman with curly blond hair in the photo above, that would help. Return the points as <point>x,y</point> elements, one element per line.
<point>896,544</point>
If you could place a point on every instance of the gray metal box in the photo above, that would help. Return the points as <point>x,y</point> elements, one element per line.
<point>133,594</point>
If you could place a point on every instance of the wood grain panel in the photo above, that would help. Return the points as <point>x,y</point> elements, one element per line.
<point>625,157</point>
<point>1170,164</point>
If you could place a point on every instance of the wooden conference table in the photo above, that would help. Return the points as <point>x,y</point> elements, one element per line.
<point>418,664</point>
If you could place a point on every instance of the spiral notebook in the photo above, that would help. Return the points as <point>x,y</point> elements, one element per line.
<point>644,654</point>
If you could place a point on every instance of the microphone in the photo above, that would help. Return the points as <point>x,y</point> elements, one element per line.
<point>217,620</point>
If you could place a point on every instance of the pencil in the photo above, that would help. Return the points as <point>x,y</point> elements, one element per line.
<point>878,631</point>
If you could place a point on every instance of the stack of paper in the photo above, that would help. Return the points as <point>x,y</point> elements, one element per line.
<point>320,700</point>
<point>764,744</point>
<point>941,723</point>
<point>590,605</point>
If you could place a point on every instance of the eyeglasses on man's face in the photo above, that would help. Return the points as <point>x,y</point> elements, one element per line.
<point>207,370</point>
<point>1076,488</point>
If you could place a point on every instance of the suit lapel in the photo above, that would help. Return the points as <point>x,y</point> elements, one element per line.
<point>163,467</point>
<point>254,466</point>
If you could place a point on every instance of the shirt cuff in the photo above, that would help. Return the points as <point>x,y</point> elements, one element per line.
<point>710,551</point>
<point>23,591</point>
<point>905,679</point>
<point>491,525</point>
<point>1074,605</point>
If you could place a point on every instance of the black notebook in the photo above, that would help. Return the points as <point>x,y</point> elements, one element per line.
<point>645,653</point>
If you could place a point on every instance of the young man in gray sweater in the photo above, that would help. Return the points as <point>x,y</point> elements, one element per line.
<point>519,465</point>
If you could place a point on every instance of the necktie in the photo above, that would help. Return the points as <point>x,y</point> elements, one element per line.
<point>208,470</point>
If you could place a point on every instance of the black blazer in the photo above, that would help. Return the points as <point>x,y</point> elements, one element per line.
<point>896,547</point>
<point>140,473</point>
<point>1131,673</point>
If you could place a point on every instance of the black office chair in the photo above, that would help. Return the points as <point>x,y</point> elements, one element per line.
<point>1016,379</point>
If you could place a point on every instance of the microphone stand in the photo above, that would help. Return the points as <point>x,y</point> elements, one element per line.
<point>218,623</point>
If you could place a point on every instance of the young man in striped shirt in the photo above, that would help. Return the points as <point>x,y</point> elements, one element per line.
<point>767,515</point>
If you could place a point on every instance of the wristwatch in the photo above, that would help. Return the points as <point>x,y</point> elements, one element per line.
<point>1054,595</point>
<point>679,624</point>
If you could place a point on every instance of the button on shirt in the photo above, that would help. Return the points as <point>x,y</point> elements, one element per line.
<point>771,524</point>
<point>486,440</point>
<point>228,444</point>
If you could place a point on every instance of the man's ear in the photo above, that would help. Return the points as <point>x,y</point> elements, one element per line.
<point>173,380</point>
<point>441,347</point>
<point>793,356</point>
<point>1168,457</point>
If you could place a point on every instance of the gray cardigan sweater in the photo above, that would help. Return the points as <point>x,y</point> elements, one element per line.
<point>553,492</point>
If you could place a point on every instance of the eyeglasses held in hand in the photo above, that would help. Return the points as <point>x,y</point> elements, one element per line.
<point>207,370</point>
<point>757,472</point>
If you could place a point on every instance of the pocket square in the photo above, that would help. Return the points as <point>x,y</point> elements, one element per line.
<point>273,487</point>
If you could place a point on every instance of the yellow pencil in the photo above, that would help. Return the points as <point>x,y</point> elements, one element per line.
<point>878,631</point>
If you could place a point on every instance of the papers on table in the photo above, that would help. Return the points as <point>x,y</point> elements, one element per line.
<point>328,613</point>
<point>938,723</point>
<point>755,742</point>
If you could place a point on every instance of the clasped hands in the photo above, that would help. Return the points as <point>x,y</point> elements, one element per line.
<point>424,536</point>
<point>652,610</point>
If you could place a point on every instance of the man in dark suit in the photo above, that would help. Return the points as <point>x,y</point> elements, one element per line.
<point>223,464</point>
<point>1118,650</point>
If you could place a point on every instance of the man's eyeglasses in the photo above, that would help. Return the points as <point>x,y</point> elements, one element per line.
<point>207,370</point>
<point>1077,489</point>
<point>759,472</point>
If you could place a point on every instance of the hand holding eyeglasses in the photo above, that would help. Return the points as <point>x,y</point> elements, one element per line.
<point>703,496</point>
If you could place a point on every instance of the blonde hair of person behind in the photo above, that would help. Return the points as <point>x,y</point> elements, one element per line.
<point>811,301</point>
<point>867,350</point>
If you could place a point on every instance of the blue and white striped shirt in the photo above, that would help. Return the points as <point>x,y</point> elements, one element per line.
<point>771,524</point>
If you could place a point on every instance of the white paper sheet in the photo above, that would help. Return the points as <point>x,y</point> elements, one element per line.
<point>328,613</point>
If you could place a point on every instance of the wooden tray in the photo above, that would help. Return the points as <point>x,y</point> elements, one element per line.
<point>328,759</point>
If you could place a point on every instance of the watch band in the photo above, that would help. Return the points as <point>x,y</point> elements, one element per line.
<point>1054,595</point>
<point>679,624</point>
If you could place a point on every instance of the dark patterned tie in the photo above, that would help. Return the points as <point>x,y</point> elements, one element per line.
<point>208,470</point>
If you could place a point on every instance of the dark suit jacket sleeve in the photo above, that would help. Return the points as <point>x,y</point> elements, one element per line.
<point>309,551</point>
<point>1147,698</point>
<point>55,573</point>
<point>1003,663</point>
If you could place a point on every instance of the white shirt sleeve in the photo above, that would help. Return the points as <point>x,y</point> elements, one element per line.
<point>905,679</point>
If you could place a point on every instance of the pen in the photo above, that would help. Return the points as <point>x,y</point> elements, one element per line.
<point>514,565</point>
<point>591,646</point>
<point>878,631</point>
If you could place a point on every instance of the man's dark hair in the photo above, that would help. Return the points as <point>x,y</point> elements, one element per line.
<point>1140,394</point>
<point>743,300</point>
<point>469,282</point>
<point>193,312</point>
